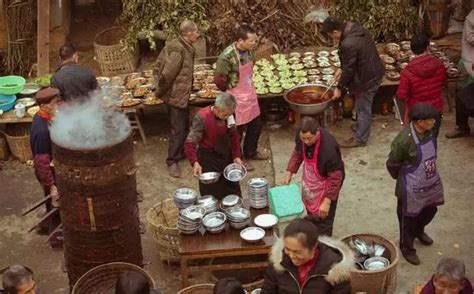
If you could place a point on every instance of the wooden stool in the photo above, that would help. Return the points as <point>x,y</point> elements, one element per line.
<point>134,118</point>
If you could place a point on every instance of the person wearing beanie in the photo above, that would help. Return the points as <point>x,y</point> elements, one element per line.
<point>412,162</point>
<point>40,142</point>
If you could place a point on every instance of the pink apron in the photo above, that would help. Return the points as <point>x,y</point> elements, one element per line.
<point>314,185</point>
<point>245,93</point>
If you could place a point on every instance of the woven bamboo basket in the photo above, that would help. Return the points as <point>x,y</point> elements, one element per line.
<point>102,279</point>
<point>112,59</point>
<point>376,282</point>
<point>264,50</point>
<point>437,20</point>
<point>162,219</point>
<point>198,289</point>
<point>18,139</point>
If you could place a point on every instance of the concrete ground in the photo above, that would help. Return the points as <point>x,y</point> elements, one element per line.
<point>366,205</point>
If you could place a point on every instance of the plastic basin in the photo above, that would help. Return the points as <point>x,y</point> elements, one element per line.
<point>7,102</point>
<point>11,85</point>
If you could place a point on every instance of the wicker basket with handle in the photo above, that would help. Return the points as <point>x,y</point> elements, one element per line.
<point>102,279</point>
<point>198,289</point>
<point>18,139</point>
<point>110,55</point>
<point>380,281</point>
<point>162,219</point>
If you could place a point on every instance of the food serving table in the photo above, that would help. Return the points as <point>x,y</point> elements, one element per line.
<point>225,244</point>
<point>9,117</point>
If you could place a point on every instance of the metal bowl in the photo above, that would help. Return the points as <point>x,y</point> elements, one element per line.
<point>30,89</point>
<point>185,194</point>
<point>376,263</point>
<point>209,177</point>
<point>230,200</point>
<point>237,213</point>
<point>252,234</point>
<point>235,172</point>
<point>258,182</point>
<point>193,212</point>
<point>308,109</point>
<point>214,220</point>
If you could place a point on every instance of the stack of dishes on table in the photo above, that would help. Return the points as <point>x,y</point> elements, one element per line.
<point>184,197</point>
<point>229,201</point>
<point>208,202</point>
<point>369,256</point>
<point>203,81</point>
<point>258,192</point>
<point>189,219</point>
<point>214,222</point>
<point>238,217</point>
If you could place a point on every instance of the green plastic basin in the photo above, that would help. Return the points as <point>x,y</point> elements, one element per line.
<point>11,85</point>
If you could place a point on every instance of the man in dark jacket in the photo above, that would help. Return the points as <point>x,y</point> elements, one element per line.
<point>423,79</point>
<point>360,74</point>
<point>174,74</point>
<point>74,81</point>
<point>302,262</point>
<point>464,110</point>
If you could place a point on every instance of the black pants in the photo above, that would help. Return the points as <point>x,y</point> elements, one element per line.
<point>212,161</point>
<point>252,129</point>
<point>179,128</point>
<point>462,114</point>
<point>412,227</point>
<point>325,226</point>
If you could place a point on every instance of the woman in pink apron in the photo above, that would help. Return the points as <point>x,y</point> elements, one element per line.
<point>323,172</point>
<point>419,188</point>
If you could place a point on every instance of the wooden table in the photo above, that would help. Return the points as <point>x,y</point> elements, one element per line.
<point>9,117</point>
<point>225,244</point>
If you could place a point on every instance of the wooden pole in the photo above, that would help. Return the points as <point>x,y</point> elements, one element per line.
<point>43,37</point>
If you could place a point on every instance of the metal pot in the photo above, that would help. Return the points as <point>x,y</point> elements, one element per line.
<point>308,109</point>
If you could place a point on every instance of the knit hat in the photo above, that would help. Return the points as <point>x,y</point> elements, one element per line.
<point>423,111</point>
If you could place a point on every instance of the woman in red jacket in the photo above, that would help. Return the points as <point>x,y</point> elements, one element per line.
<point>423,79</point>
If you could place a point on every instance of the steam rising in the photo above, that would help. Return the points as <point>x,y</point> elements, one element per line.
<point>89,125</point>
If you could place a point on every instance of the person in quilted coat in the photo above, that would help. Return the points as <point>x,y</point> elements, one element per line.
<point>423,79</point>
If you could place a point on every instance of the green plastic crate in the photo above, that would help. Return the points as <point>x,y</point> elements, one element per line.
<point>285,201</point>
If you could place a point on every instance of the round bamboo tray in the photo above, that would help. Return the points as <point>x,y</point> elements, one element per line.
<point>198,289</point>
<point>162,219</point>
<point>381,281</point>
<point>102,279</point>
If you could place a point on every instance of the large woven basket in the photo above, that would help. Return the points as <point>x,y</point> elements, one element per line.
<point>376,282</point>
<point>110,55</point>
<point>102,279</point>
<point>198,289</point>
<point>437,20</point>
<point>162,219</point>
<point>264,50</point>
<point>18,139</point>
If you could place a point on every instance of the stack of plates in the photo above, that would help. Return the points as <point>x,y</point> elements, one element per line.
<point>208,202</point>
<point>238,217</point>
<point>184,197</point>
<point>189,219</point>
<point>214,222</point>
<point>258,192</point>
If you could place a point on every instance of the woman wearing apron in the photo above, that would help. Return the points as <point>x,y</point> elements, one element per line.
<point>323,173</point>
<point>234,74</point>
<point>211,145</point>
<point>412,161</point>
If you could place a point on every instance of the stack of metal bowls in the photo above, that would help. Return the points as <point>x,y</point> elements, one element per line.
<point>189,219</point>
<point>214,222</point>
<point>229,201</point>
<point>209,203</point>
<point>238,217</point>
<point>184,197</point>
<point>258,192</point>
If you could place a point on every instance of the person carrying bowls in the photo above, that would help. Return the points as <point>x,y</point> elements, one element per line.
<point>211,145</point>
<point>303,262</point>
<point>323,172</point>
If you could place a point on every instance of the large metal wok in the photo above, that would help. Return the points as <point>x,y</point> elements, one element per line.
<point>309,109</point>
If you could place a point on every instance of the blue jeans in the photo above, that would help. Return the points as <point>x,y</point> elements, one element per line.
<point>363,104</point>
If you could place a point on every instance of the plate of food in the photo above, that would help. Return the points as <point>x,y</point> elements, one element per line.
<point>116,81</point>
<point>327,71</point>
<point>328,78</point>
<point>295,54</point>
<point>207,94</point>
<point>322,59</point>
<point>324,64</point>
<point>262,90</point>
<point>27,101</point>
<point>151,100</point>
<point>311,64</point>
<point>309,54</point>
<point>323,53</point>
<point>129,102</point>
<point>131,84</point>
<point>335,52</point>
<point>297,66</point>
<point>337,64</point>
<point>33,110</point>
<point>313,71</point>
<point>141,91</point>
<point>334,58</point>
<point>392,75</point>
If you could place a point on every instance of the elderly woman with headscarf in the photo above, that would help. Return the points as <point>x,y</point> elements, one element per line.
<point>302,262</point>
<point>211,145</point>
